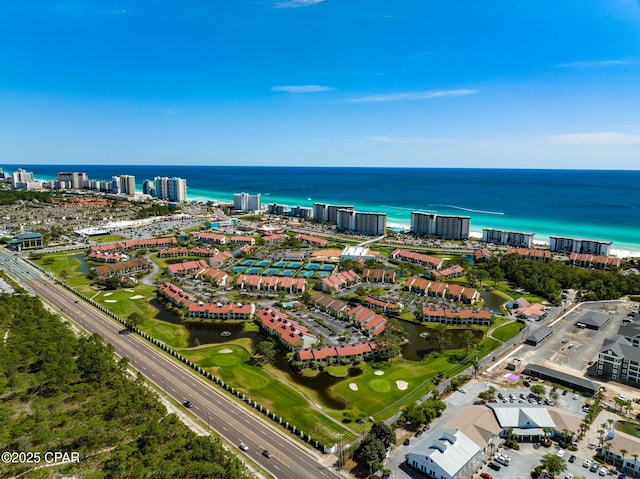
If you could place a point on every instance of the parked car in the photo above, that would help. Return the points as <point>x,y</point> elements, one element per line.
<point>564,393</point>
<point>560,453</point>
<point>495,466</point>
<point>407,442</point>
<point>526,384</point>
<point>594,467</point>
<point>572,458</point>
<point>603,471</point>
<point>568,475</point>
<point>486,475</point>
<point>463,390</point>
<point>586,463</point>
<point>419,433</point>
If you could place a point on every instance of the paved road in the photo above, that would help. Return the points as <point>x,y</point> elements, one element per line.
<point>232,420</point>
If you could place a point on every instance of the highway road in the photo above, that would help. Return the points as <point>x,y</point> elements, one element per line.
<point>232,420</point>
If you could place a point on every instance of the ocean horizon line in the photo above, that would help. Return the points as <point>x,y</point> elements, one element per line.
<point>364,167</point>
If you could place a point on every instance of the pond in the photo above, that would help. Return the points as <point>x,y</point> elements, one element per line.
<point>220,333</point>
<point>492,301</point>
<point>84,267</point>
<point>421,344</point>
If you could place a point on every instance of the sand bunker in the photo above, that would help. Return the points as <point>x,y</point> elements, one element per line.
<point>129,290</point>
<point>402,385</point>
<point>137,296</point>
<point>353,386</point>
<point>110,300</point>
<point>225,351</point>
<point>107,294</point>
<point>379,373</point>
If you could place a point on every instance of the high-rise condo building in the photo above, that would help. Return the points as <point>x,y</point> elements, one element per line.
<point>73,180</point>
<point>440,226</point>
<point>560,244</point>
<point>172,189</point>
<point>510,238</point>
<point>247,202</point>
<point>325,213</point>
<point>127,185</point>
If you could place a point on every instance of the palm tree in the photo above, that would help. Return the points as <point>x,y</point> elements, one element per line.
<point>635,462</point>
<point>623,451</point>
<point>606,448</point>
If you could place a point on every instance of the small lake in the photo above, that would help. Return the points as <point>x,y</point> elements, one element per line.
<point>421,345</point>
<point>220,333</point>
<point>492,301</point>
<point>84,267</point>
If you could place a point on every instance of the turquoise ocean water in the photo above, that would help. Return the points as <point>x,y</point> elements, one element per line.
<point>590,204</point>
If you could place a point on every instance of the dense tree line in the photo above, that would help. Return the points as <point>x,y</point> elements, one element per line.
<point>414,416</point>
<point>61,393</point>
<point>155,210</point>
<point>549,279</point>
<point>10,197</point>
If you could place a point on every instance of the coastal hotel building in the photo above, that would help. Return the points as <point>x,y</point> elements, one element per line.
<point>509,238</point>
<point>346,218</point>
<point>446,227</point>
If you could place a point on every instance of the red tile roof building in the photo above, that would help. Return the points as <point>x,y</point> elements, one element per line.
<point>383,304</point>
<point>379,275</point>
<point>211,310</point>
<point>456,316</point>
<point>418,258</point>
<point>334,307</point>
<point>175,295</point>
<point>450,272</point>
<point>270,283</point>
<point>135,244</point>
<point>244,240</point>
<point>482,254</point>
<point>340,280</point>
<point>212,238</point>
<point>441,290</point>
<point>290,334</point>
<point>532,253</point>
<point>356,350</point>
<point>106,257</point>
<point>188,267</point>
<point>123,268</point>
<point>367,320</point>
<point>591,261</point>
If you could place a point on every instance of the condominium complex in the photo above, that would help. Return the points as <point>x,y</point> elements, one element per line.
<point>23,180</point>
<point>509,238</point>
<point>72,180</point>
<point>561,244</point>
<point>361,222</point>
<point>247,202</point>
<point>165,188</point>
<point>325,213</point>
<point>127,184</point>
<point>446,227</point>
<point>619,358</point>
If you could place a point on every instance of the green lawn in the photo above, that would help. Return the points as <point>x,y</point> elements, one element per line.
<point>507,331</point>
<point>230,362</point>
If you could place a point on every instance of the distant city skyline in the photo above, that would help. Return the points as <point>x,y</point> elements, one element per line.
<point>462,84</point>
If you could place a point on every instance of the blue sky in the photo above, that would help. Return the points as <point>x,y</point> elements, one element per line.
<point>429,83</point>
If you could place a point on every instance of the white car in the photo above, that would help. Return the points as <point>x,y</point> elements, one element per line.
<point>243,446</point>
<point>568,476</point>
<point>622,397</point>
<point>586,463</point>
<point>603,471</point>
<point>560,452</point>
<point>462,390</point>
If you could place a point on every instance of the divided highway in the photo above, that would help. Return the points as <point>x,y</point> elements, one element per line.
<point>289,460</point>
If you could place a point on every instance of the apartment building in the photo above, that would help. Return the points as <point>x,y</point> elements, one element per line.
<point>619,358</point>
<point>247,202</point>
<point>440,226</point>
<point>325,213</point>
<point>562,244</point>
<point>509,238</point>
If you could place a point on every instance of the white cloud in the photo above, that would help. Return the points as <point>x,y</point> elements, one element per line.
<point>301,88</point>
<point>595,64</point>
<point>298,3</point>
<point>596,138</point>
<point>416,95</point>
